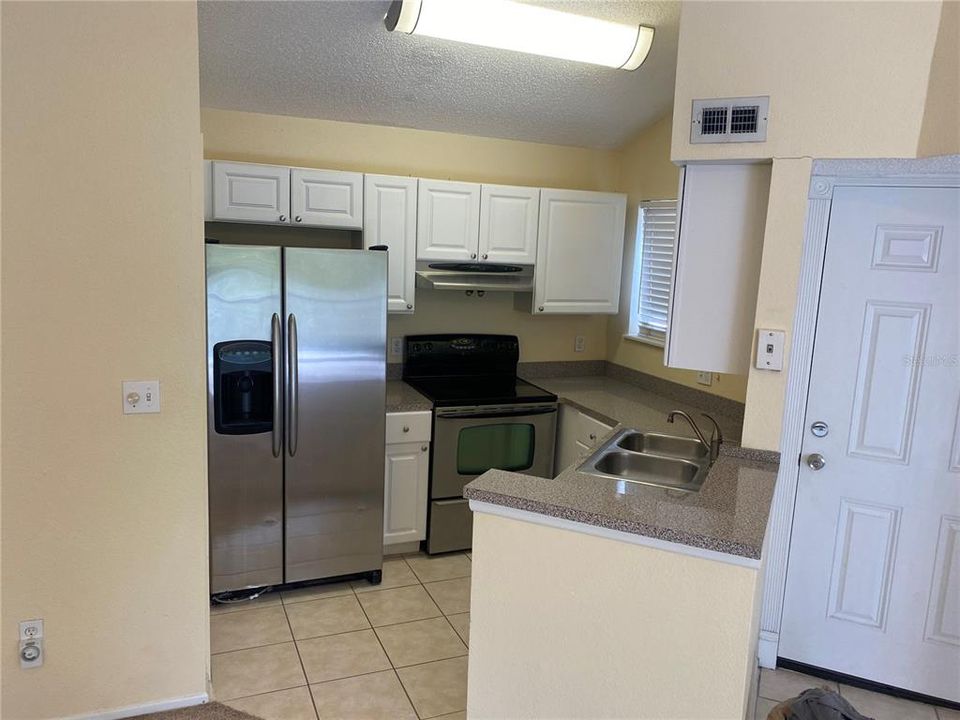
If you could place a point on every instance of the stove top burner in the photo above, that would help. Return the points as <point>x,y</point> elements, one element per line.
<point>454,370</point>
<point>479,390</point>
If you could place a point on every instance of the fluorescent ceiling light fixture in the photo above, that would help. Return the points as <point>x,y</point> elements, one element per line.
<point>525,28</point>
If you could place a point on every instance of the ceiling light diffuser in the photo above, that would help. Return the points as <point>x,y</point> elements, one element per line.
<point>525,28</point>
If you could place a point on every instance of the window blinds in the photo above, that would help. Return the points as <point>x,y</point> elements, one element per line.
<point>658,229</point>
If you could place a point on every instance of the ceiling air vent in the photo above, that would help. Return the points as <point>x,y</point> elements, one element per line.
<point>726,120</point>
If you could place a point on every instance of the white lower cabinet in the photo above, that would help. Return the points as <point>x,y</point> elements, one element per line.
<point>406,477</point>
<point>578,433</point>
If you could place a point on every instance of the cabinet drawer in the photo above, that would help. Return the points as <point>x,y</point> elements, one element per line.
<point>590,430</point>
<point>409,427</point>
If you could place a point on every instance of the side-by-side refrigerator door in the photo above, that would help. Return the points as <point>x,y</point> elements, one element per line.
<point>245,422</point>
<point>336,323</point>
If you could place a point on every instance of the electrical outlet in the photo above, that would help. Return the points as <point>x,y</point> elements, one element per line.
<point>704,378</point>
<point>31,644</point>
<point>396,346</point>
<point>141,396</point>
<point>579,343</point>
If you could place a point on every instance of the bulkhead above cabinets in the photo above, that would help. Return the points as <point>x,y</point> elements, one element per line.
<point>559,251</point>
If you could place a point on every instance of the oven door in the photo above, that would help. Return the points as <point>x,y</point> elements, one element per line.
<point>468,441</point>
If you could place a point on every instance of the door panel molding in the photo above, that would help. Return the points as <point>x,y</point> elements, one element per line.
<point>955,450</point>
<point>825,176</point>
<point>863,562</point>
<point>885,398</point>
<point>943,614</point>
<point>907,247</point>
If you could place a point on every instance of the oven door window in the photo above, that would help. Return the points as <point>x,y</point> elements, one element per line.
<point>507,446</point>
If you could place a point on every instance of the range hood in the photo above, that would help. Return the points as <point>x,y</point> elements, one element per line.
<point>474,276</point>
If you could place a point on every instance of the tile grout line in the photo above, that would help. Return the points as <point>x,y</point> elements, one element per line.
<point>386,654</point>
<point>303,669</point>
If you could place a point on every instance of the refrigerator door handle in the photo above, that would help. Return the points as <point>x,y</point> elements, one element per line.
<point>277,385</point>
<point>293,385</point>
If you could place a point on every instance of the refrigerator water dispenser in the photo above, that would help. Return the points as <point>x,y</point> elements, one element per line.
<point>243,382</point>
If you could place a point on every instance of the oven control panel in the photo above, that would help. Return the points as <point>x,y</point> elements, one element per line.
<point>430,355</point>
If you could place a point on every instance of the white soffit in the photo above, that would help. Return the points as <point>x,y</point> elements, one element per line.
<point>334,59</point>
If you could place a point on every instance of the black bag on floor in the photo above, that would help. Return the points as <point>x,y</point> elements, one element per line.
<point>817,704</point>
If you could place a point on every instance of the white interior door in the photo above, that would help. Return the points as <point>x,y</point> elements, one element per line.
<point>873,582</point>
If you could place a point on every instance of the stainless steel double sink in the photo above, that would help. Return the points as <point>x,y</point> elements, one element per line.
<point>668,461</point>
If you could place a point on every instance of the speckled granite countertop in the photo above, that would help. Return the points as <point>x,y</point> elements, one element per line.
<point>403,398</point>
<point>728,514</point>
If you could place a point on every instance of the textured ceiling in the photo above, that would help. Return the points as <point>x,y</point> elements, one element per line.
<point>334,59</point>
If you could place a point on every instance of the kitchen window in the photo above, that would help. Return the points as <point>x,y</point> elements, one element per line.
<point>652,271</point>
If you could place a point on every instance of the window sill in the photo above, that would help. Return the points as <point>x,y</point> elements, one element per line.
<point>655,342</point>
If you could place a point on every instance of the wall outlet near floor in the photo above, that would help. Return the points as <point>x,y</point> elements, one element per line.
<point>704,378</point>
<point>396,346</point>
<point>31,644</point>
<point>579,343</point>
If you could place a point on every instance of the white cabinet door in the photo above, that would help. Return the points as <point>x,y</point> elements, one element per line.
<point>592,431</point>
<point>723,211</point>
<point>251,193</point>
<point>327,198</point>
<point>508,224</point>
<point>577,433</point>
<point>448,220</point>
<point>405,493</point>
<point>390,218</point>
<point>579,252</point>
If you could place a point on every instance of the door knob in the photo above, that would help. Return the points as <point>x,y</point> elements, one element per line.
<point>283,218</point>
<point>816,461</point>
<point>298,218</point>
<point>820,428</point>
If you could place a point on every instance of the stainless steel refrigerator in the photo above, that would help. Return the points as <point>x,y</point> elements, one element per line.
<point>296,364</point>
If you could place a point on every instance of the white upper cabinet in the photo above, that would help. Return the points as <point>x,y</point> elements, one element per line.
<point>508,224</point>
<point>251,193</point>
<point>448,220</point>
<point>713,300</point>
<point>327,198</point>
<point>390,218</point>
<point>579,252</point>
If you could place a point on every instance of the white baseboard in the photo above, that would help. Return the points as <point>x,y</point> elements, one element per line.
<point>151,707</point>
<point>767,650</point>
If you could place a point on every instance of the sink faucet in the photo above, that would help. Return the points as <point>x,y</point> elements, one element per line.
<point>716,437</point>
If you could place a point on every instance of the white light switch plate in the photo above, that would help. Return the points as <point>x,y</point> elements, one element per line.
<point>141,396</point>
<point>770,349</point>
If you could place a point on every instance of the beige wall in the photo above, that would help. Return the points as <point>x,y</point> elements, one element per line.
<point>307,142</point>
<point>940,132</point>
<point>646,173</point>
<point>831,70</point>
<point>595,627</point>
<point>104,515</point>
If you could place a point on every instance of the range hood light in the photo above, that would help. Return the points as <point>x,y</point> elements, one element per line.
<point>525,28</point>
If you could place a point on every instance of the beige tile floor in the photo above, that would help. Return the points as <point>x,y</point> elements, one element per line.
<point>779,685</point>
<point>351,651</point>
